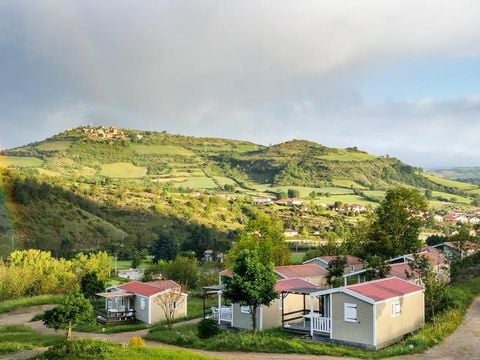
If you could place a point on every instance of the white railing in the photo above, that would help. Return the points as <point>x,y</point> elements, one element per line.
<point>225,313</point>
<point>322,324</point>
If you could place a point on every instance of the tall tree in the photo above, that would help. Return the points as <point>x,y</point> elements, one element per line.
<point>252,283</point>
<point>183,270</point>
<point>376,268</point>
<point>90,285</point>
<point>336,269</point>
<point>264,235</point>
<point>165,247</point>
<point>73,310</point>
<point>398,224</point>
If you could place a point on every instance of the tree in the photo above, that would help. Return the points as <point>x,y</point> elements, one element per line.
<point>428,194</point>
<point>90,285</point>
<point>136,259</point>
<point>182,270</point>
<point>165,247</point>
<point>376,268</point>
<point>252,283</point>
<point>293,193</point>
<point>398,224</point>
<point>281,195</point>
<point>73,310</point>
<point>169,301</point>
<point>336,269</point>
<point>264,235</point>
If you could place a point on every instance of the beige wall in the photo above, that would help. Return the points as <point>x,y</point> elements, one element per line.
<point>158,314</point>
<point>317,280</point>
<point>140,314</point>
<point>360,332</point>
<point>411,318</point>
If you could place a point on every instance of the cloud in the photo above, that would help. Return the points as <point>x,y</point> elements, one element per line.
<point>265,71</point>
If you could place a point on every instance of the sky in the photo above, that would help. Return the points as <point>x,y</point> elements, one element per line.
<point>395,77</point>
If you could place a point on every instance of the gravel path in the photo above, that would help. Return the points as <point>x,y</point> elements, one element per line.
<point>464,343</point>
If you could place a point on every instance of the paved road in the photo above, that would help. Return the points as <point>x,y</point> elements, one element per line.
<point>464,343</point>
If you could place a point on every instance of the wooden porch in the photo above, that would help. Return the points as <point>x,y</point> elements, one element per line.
<point>118,307</point>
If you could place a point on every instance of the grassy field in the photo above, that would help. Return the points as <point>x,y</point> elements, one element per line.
<point>297,257</point>
<point>18,337</point>
<point>48,172</point>
<point>20,161</point>
<point>9,305</point>
<point>123,170</point>
<point>54,146</point>
<point>348,156</point>
<point>305,190</point>
<point>346,183</point>
<point>377,194</point>
<point>450,183</point>
<point>198,182</point>
<point>224,181</point>
<point>346,199</point>
<point>449,197</point>
<point>162,150</point>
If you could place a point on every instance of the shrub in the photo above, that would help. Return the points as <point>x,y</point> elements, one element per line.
<point>84,349</point>
<point>207,328</point>
<point>136,341</point>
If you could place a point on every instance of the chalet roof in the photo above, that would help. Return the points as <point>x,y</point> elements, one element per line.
<point>383,289</point>
<point>301,271</point>
<point>148,288</point>
<point>295,285</point>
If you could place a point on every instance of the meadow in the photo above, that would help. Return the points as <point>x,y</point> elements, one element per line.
<point>54,145</point>
<point>20,161</point>
<point>123,170</point>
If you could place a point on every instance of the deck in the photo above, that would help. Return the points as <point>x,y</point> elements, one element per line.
<point>113,316</point>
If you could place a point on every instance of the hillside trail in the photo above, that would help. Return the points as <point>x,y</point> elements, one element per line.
<point>463,343</point>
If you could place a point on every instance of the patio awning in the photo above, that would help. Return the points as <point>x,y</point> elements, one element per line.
<point>114,294</point>
<point>212,289</point>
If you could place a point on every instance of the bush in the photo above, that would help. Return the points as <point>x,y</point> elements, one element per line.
<point>136,341</point>
<point>84,349</point>
<point>207,328</point>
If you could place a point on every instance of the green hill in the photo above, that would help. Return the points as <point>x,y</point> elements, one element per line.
<point>113,188</point>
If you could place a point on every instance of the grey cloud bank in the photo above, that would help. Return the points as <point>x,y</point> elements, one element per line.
<point>263,71</point>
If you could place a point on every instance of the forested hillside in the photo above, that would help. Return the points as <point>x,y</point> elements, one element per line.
<point>89,188</point>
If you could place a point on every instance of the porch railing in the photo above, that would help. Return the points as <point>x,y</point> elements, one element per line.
<point>321,324</point>
<point>225,313</point>
<point>112,315</point>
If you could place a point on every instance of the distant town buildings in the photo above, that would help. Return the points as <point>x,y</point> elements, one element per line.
<point>106,133</point>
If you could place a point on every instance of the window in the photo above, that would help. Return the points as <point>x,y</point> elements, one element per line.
<point>350,312</point>
<point>174,304</point>
<point>143,303</point>
<point>396,308</point>
<point>245,309</point>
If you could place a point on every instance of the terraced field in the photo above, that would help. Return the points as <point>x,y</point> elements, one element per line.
<point>20,161</point>
<point>54,145</point>
<point>123,170</point>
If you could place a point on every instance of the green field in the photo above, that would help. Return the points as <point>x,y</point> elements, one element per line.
<point>54,146</point>
<point>48,172</point>
<point>224,181</point>
<point>198,182</point>
<point>346,199</point>
<point>162,150</point>
<point>123,170</point>
<point>20,161</point>
<point>348,156</point>
<point>377,194</point>
<point>347,183</point>
<point>449,197</point>
<point>450,183</point>
<point>305,190</point>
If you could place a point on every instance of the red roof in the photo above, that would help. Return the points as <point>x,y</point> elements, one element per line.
<point>148,288</point>
<point>301,271</point>
<point>398,270</point>
<point>383,289</point>
<point>294,283</point>
<point>226,272</point>
<point>433,255</point>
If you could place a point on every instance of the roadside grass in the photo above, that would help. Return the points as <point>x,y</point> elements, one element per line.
<point>20,337</point>
<point>123,170</point>
<point>277,341</point>
<point>20,161</point>
<point>95,349</point>
<point>9,305</point>
<point>111,328</point>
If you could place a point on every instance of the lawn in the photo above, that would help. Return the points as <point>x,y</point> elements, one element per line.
<point>123,170</point>
<point>20,161</point>
<point>277,341</point>
<point>197,182</point>
<point>54,146</point>
<point>18,337</point>
<point>9,305</point>
<point>297,257</point>
<point>162,150</point>
<point>91,349</point>
<point>449,183</point>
